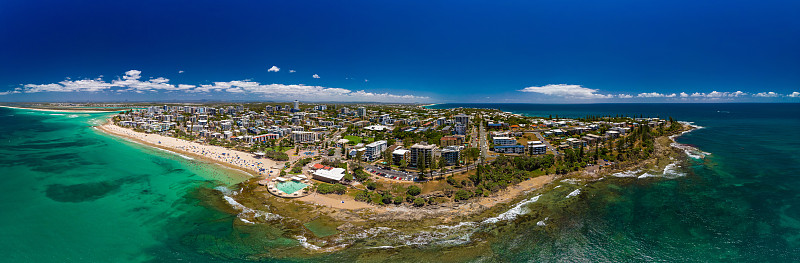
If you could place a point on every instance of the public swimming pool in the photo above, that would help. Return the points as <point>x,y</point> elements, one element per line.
<point>290,186</point>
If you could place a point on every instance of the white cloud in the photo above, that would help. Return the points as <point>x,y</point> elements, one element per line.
<point>282,91</point>
<point>292,71</point>
<point>131,82</point>
<point>738,93</point>
<point>185,87</point>
<point>766,94</point>
<point>684,95</point>
<point>624,96</point>
<point>565,90</point>
<point>656,95</point>
<point>132,74</point>
<point>274,69</point>
<point>794,94</point>
<point>366,80</point>
<point>716,94</point>
<point>180,71</point>
<point>85,85</point>
<point>315,76</point>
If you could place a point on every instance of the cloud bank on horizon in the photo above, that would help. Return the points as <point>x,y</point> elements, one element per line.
<point>582,93</point>
<point>132,82</point>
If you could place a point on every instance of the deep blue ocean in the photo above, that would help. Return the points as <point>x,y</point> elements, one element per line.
<point>741,203</point>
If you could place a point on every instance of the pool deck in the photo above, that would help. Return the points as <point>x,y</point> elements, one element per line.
<point>273,189</point>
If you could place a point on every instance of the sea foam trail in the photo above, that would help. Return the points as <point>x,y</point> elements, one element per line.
<point>178,154</point>
<point>513,212</point>
<point>670,171</point>
<point>574,193</point>
<point>542,222</point>
<point>689,150</point>
<point>246,214</point>
<point>441,235</point>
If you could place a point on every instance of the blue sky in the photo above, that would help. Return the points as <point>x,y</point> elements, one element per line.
<point>401,51</point>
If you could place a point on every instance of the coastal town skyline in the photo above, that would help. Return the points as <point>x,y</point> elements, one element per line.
<point>400,131</point>
<point>412,52</point>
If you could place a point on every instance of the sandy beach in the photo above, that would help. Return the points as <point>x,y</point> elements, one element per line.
<point>267,168</point>
<point>227,157</point>
<point>61,110</point>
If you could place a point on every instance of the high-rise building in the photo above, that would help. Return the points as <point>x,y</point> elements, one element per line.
<point>362,112</point>
<point>463,119</point>
<point>374,150</point>
<point>303,136</point>
<point>537,147</point>
<point>460,129</point>
<point>450,154</point>
<point>296,105</point>
<point>400,154</point>
<point>421,152</point>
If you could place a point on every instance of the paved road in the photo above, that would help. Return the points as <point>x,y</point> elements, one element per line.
<point>541,138</point>
<point>484,143</point>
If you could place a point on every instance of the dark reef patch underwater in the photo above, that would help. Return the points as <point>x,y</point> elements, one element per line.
<point>81,192</point>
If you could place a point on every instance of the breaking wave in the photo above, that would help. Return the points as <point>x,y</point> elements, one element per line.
<point>439,235</point>
<point>246,214</point>
<point>690,151</point>
<point>670,171</point>
<point>574,193</point>
<point>513,212</point>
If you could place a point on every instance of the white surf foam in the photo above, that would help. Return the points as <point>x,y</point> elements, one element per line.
<point>574,193</point>
<point>305,244</point>
<point>459,225</point>
<point>513,212</point>
<point>571,181</point>
<point>250,214</point>
<point>542,223</point>
<point>178,154</point>
<point>631,173</point>
<point>690,151</point>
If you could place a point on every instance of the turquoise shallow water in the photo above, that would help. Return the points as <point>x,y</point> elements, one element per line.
<point>72,194</point>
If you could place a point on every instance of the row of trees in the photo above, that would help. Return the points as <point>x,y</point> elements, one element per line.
<point>385,197</point>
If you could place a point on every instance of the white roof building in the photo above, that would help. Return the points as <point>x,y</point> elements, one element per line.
<point>376,128</point>
<point>332,175</point>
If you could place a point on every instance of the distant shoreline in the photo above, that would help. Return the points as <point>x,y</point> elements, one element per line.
<point>61,110</point>
<point>429,105</point>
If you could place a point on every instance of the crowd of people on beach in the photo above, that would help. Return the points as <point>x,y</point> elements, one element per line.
<point>263,167</point>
